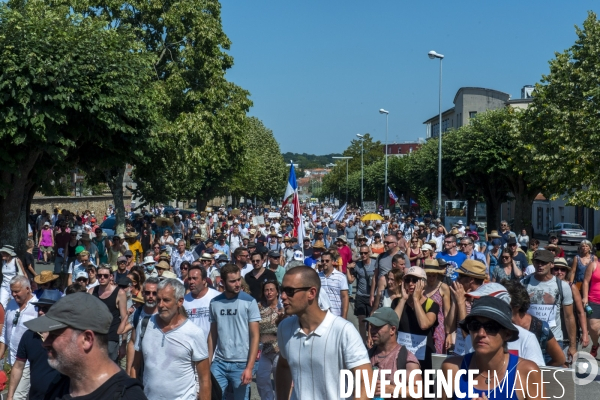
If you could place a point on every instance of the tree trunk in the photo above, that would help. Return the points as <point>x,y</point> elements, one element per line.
<point>114,178</point>
<point>14,207</point>
<point>524,197</point>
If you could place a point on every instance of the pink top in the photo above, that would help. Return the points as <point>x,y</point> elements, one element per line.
<point>594,292</point>
<point>46,237</point>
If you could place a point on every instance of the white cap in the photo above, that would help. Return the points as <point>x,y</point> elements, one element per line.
<point>81,274</point>
<point>298,256</point>
<point>149,260</point>
<point>46,223</point>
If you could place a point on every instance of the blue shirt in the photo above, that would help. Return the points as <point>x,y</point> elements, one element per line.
<point>311,262</point>
<point>453,263</point>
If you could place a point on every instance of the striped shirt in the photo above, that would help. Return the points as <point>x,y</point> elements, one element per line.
<point>316,359</point>
<point>333,286</point>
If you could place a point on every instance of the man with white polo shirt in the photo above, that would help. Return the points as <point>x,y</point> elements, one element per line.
<point>335,285</point>
<point>315,338</point>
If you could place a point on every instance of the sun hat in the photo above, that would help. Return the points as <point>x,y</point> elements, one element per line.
<point>163,265</point>
<point>416,271</point>
<point>494,234</point>
<point>494,309</point>
<point>221,257</point>
<point>319,245</point>
<point>86,237</point>
<point>138,298</point>
<point>384,316</point>
<point>433,267</point>
<point>74,311</point>
<point>168,275</point>
<point>298,255</point>
<point>48,298</point>
<point>206,257</point>
<point>10,250</point>
<point>473,268</point>
<point>561,262</point>
<point>342,238</point>
<point>148,260</point>
<point>45,277</point>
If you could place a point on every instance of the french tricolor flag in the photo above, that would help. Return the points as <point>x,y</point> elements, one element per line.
<point>291,196</point>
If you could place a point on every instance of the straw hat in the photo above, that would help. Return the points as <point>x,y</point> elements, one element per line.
<point>432,267</point>
<point>138,298</point>
<point>163,265</point>
<point>473,268</point>
<point>168,275</point>
<point>131,235</point>
<point>45,277</point>
<point>319,245</point>
<point>494,235</point>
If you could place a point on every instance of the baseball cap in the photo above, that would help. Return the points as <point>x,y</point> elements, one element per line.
<point>274,253</point>
<point>122,259</point>
<point>490,289</point>
<point>74,311</point>
<point>128,253</point>
<point>81,274</point>
<point>384,316</point>
<point>544,255</point>
<point>416,271</point>
<point>298,256</point>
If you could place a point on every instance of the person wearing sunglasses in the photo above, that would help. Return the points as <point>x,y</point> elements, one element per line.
<point>561,271</point>
<point>454,259</point>
<point>507,269</point>
<point>491,329</point>
<point>142,314</point>
<point>32,355</point>
<point>313,336</point>
<point>384,263</point>
<point>362,272</point>
<point>417,314</point>
<point>549,296</point>
<point>115,299</point>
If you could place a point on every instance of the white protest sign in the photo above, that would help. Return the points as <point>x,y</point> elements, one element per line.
<point>544,312</point>
<point>328,210</point>
<point>415,343</point>
<point>386,211</point>
<point>274,215</point>
<point>258,220</point>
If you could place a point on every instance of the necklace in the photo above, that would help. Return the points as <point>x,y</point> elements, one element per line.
<point>487,378</point>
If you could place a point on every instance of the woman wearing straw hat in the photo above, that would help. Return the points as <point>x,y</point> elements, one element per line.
<point>45,280</point>
<point>491,329</point>
<point>439,292</point>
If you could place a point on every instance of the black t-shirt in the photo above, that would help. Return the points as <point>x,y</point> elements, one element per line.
<point>108,390</point>
<point>43,376</point>
<point>410,324</point>
<point>27,261</point>
<point>256,284</point>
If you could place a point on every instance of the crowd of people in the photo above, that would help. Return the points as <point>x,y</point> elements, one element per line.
<point>185,306</point>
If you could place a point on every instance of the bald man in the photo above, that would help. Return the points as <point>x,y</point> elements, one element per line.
<point>300,295</point>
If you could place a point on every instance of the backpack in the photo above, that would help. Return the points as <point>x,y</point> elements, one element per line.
<point>400,360</point>
<point>122,388</point>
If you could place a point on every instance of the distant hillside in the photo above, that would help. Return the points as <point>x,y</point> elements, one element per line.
<point>310,160</point>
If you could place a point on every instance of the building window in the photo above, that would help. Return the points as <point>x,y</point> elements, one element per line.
<point>472,114</point>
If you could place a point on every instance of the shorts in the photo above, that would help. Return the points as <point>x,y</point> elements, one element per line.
<point>595,311</point>
<point>46,249</point>
<point>362,306</point>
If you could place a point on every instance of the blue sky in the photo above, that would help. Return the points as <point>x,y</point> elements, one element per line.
<point>319,71</point>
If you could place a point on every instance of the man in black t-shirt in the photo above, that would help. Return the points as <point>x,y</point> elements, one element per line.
<point>77,347</point>
<point>258,276</point>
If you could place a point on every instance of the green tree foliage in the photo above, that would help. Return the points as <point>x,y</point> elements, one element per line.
<point>263,173</point>
<point>562,131</point>
<point>198,141</point>
<point>66,80</point>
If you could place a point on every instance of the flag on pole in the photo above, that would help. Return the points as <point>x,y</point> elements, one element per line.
<point>413,203</point>
<point>393,198</point>
<point>338,216</point>
<point>292,187</point>
<point>291,196</point>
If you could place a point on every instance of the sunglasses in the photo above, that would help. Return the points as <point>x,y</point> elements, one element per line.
<point>559,269</point>
<point>42,308</point>
<point>16,318</point>
<point>506,257</point>
<point>364,252</point>
<point>290,291</point>
<point>411,279</point>
<point>150,293</point>
<point>490,327</point>
<point>390,242</point>
<point>448,241</point>
<point>183,268</point>
<point>128,256</point>
<point>103,276</point>
<point>81,279</point>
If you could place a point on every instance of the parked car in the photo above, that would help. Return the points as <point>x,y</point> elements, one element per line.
<point>568,232</point>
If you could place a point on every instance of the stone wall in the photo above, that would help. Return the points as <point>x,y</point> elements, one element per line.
<point>96,204</point>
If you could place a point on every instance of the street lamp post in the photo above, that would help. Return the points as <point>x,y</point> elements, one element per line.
<point>362,169</point>
<point>345,158</point>
<point>385,197</point>
<point>433,55</point>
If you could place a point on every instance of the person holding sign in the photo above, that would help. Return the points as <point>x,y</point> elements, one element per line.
<point>491,329</point>
<point>548,296</point>
<point>418,316</point>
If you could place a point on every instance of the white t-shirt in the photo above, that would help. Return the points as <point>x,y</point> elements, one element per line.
<point>198,310</point>
<point>526,346</point>
<point>333,346</point>
<point>333,286</point>
<point>171,357</point>
<point>247,269</point>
